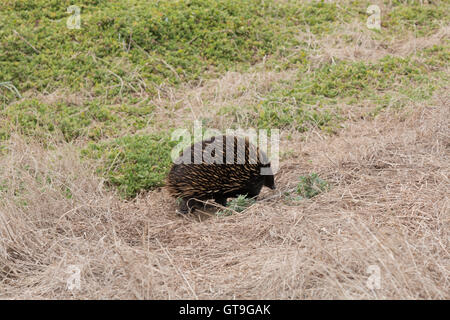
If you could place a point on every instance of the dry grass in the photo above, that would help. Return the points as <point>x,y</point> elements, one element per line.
<point>363,47</point>
<point>388,206</point>
<point>205,100</point>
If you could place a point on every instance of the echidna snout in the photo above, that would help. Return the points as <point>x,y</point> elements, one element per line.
<point>269,182</point>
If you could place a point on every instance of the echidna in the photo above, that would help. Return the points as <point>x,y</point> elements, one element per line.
<point>218,168</point>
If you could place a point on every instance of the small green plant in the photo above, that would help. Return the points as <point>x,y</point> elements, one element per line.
<point>238,204</point>
<point>310,186</point>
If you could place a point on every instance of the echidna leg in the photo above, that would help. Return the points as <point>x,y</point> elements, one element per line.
<point>221,200</point>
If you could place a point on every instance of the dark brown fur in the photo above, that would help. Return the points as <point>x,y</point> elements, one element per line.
<point>209,180</point>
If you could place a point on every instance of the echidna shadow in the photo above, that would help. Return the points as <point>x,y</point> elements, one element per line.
<point>219,168</point>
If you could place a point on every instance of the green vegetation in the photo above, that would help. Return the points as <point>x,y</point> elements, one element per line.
<point>62,121</point>
<point>41,120</point>
<point>401,16</point>
<point>310,186</point>
<point>124,47</point>
<point>133,163</point>
<point>311,98</point>
<point>421,19</point>
<point>238,204</point>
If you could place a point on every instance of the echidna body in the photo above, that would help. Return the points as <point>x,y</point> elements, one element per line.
<point>219,168</point>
